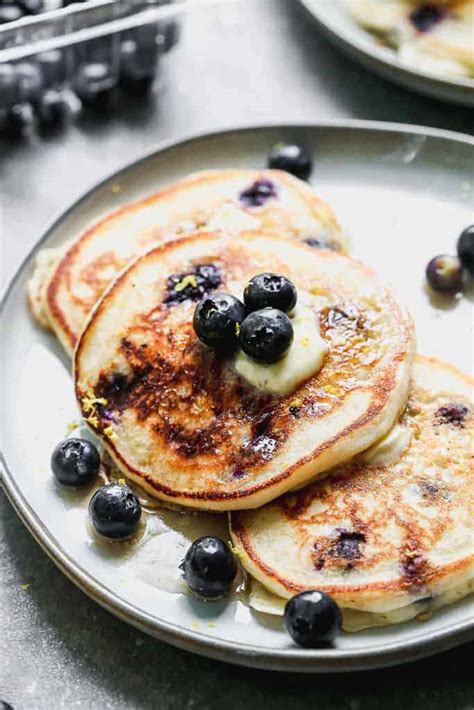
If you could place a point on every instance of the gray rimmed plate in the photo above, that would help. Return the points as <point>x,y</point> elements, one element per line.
<point>335,21</point>
<point>403,194</point>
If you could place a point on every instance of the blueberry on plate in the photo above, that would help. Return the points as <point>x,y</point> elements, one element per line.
<point>217,320</point>
<point>75,462</point>
<point>466,248</point>
<point>115,511</point>
<point>270,291</point>
<point>312,619</point>
<point>266,335</point>
<point>444,273</point>
<point>209,567</point>
<point>292,158</point>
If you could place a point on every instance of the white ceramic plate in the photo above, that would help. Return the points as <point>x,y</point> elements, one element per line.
<point>335,20</point>
<point>403,194</point>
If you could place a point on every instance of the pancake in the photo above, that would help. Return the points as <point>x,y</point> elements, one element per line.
<point>174,415</point>
<point>386,540</point>
<point>435,37</point>
<point>66,284</point>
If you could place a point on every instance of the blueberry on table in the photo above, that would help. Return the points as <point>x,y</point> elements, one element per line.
<point>115,511</point>
<point>292,158</point>
<point>217,320</point>
<point>75,462</point>
<point>209,567</point>
<point>270,290</point>
<point>312,619</point>
<point>444,273</point>
<point>266,335</point>
<point>466,248</point>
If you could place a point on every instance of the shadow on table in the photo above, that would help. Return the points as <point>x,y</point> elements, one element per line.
<point>77,653</point>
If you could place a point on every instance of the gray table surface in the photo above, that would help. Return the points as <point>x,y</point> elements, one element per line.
<point>235,65</point>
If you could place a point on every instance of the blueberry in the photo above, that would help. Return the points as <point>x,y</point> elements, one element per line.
<point>466,248</point>
<point>115,511</point>
<point>95,84</point>
<point>258,193</point>
<point>19,120</point>
<point>209,567</point>
<point>137,86</point>
<point>312,619</point>
<point>270,291</point>
<point>75,462</point>
<point>266,335</point>
<point>292,158</point>
<point>52,108</point>
<point>444,273</point>
<point>32,7</point>
<point>217,320</point>
<point>427,15</point>
<point>10,13</point>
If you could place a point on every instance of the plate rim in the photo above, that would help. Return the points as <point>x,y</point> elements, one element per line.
<point>292,659</point>
<point>392,65</point>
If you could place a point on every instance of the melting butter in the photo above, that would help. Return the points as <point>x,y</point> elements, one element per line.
<point>389,449</point>
<point>304,359</point>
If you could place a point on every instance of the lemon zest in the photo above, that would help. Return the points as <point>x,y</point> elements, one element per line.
<point>237,329</point>
<point>71,426</point>
<point>110,433</point>
<point>189,280</point>
<point>305,341</point>
<point>26,586</point>
<point>122,482</point>
<point>211,624</point>
<point>92,419</point>
<point>237,553</point>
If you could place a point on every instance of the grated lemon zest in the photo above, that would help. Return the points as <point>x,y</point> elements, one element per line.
<point>237,329</point>
<point>110,433</point>
<point>92,419</point>
<point>71,426</point>
<point>189,280</point>
<point>26,586</point>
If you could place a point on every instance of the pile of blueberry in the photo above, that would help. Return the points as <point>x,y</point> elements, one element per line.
<point>47,90</point>
<point>260,325</point>
<point>445,273</point>
<point>209,567</point>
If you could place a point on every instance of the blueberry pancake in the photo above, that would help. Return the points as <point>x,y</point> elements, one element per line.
<point>212,430</point>
<point>390,535</point>
<point>436,36</point>
<point>66,286</point>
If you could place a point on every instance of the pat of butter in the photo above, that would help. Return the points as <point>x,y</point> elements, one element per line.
<point>389,449</point>
<point>304,358</point>
<point>230,218</point>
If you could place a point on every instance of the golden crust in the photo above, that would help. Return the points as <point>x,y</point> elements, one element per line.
<point>229,445</point>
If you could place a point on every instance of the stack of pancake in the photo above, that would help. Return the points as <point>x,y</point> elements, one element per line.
<point>357,482</point>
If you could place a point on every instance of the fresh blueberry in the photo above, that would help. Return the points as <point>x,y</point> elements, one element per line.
<point>312,619</point>
<point>95,84</point>
<point>137,86</point>
<point>52,108</point>
<point>292,158</point>
<point>427,15</point>
<point>19,121</point>
<point>209,567</point>
<point>115,511</point>
<point>258,193</point>
<point>466,248</point>
<point>444,273</point>
<point>75,462</point>
<point>10,13</point>
<point>270,291</point>
<point>266,335</point>
<point>31,7</point>
<point>217,320</point>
